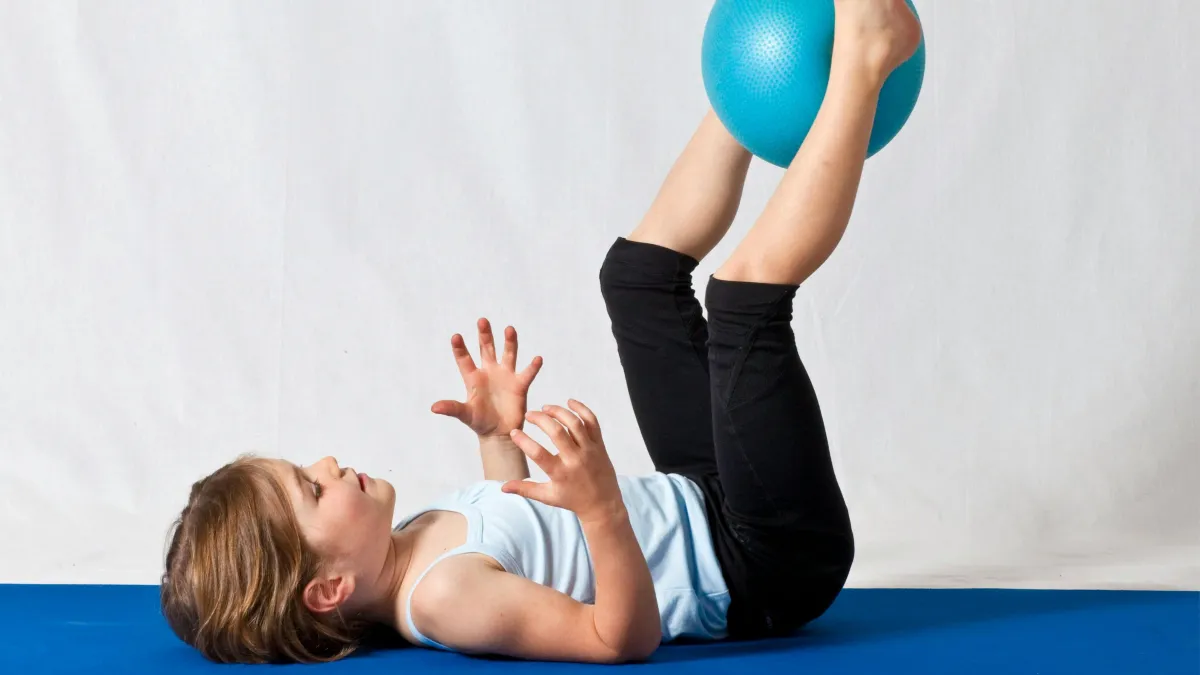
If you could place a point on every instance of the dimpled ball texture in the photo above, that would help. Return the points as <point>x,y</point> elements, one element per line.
<point>765,65</point>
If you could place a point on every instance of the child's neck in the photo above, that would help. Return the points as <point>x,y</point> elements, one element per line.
<point>384,604</point>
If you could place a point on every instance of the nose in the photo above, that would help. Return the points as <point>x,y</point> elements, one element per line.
<point>330,464</point>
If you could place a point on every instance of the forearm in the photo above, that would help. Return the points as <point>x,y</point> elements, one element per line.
<point>625,608</point>
<point>502,459</point>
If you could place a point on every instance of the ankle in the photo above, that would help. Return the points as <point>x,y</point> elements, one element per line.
<point>859,68</point>
<point>874,37</point>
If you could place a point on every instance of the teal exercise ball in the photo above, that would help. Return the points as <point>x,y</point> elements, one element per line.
<point>765,65</point>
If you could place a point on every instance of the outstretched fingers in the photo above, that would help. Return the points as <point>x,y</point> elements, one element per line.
<point>568,420</point>
<point>526,376</point>
<point>448,408</point>
<point>557,433</point>
<point>543,458</point>
<point>510,348</point>
<point>509,360</point>
<point>487,343</point>
<point>538,492</point>
<point>462,357</point>
<point>589,418</point>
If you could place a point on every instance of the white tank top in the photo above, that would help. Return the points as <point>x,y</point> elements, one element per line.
<point>546,545</point>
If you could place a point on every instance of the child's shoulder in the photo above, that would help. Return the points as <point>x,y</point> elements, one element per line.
<point>448,590</point>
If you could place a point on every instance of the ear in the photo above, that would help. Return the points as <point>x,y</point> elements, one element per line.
<point>325,594</point>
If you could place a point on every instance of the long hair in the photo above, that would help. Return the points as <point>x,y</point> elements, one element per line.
<point>236,569</point>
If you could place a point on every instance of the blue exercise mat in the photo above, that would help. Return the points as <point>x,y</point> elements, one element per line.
<point>118,629</point>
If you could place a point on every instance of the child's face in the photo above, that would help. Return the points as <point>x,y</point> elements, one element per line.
<point>346,518</point>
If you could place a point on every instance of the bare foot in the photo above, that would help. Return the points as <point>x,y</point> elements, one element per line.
<point>877,34</point>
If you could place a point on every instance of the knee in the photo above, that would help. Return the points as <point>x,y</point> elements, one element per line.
<point>749,306</point>
<point>612,275</point>
<point>737,270</point>
<point>615,265</point>
<point>622,284</point>
<point>630,265</point>
<point>764,268</point>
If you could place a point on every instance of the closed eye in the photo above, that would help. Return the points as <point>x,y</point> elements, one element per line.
<point>316,489</point>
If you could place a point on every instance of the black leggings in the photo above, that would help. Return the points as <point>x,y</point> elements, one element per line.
<point>729,404</point>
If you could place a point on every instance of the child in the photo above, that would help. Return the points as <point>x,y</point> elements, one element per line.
<point>741,532</point>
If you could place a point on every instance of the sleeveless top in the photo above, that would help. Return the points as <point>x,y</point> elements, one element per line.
<point>546,545</point>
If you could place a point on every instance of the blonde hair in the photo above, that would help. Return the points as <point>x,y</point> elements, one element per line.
<point>236,569</point>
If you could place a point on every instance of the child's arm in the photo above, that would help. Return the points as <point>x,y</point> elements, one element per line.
<point>625,615</point>
<point>477,609</point>
<point>502,459</point>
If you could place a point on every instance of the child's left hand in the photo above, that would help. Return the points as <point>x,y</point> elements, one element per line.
<point>496,393</point>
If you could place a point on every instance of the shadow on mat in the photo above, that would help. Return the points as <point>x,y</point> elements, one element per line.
<point>865,615</point>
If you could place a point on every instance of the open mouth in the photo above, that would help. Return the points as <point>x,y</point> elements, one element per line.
<point>362,482</point>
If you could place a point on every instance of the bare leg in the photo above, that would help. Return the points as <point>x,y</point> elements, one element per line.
<point>658,323</point>
<point>700,195</point>
<point>806,217</point>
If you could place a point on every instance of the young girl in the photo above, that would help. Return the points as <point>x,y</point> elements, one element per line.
<point>741,532</point>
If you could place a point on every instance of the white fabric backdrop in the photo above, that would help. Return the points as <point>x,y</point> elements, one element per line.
<point>231,227</point>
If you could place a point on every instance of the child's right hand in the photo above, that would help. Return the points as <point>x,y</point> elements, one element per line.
<point>582,478</point>
<point>496,392</point>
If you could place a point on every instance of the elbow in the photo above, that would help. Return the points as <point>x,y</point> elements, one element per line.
<point>636,649</point>
<point>646,650</point>
<point>631,641</point>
